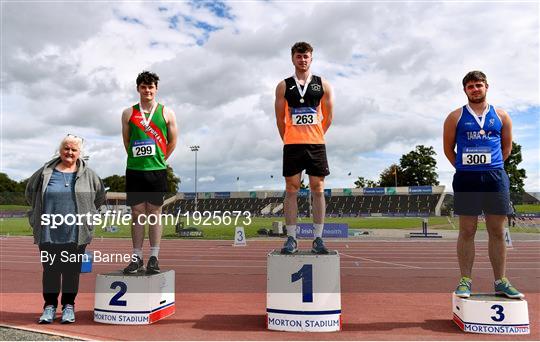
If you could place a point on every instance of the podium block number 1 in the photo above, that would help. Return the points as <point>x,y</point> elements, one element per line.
<point>306,275</point>
<point>115,299</point>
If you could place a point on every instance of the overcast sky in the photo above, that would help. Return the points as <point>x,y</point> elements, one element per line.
<point>396,70</point>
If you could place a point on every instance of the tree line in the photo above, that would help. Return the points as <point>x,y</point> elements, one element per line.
<point>415,168</point>
<point>12,192</point>
<point>418,167</point>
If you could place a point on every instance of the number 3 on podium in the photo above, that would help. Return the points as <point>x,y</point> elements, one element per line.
<point>498,312</point>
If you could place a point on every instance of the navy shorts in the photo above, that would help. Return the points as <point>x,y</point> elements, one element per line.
<point>481,192</point>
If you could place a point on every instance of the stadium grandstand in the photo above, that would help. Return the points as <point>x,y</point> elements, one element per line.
<point>412,201</point>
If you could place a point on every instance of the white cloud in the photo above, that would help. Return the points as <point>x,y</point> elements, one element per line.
<point>395,69</point>
<point>207,179</point>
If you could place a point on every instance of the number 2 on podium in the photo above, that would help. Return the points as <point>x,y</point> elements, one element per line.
<point>115,299</point>
<point>306,274</point>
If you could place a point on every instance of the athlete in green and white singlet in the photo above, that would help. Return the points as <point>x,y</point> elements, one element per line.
<point>149,132</point>
<point>146,153</point>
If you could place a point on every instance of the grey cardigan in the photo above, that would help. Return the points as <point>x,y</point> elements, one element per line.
<point>89,196</point>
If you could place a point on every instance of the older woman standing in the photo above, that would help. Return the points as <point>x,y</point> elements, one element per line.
<point>64,186</point>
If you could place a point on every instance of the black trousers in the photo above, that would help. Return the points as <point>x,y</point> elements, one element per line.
<point>61,273</point>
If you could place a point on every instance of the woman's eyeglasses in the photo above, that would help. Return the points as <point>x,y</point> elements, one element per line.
<point>76,137</point>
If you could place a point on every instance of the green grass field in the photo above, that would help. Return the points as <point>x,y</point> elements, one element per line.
<point>13,207</point>
<point>528,208</point>
<point>20,226</point>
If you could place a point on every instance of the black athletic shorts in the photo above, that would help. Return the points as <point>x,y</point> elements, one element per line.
<point>146,186</point>
<point>309,157</point>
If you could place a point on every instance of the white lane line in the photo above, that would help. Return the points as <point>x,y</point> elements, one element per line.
<point>264,261</point>
<point>173,266</point>
<point>210,251</point>
<point>270,248</point>
<point>381,262</point>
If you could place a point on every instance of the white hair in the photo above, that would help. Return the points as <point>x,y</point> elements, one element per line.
<point>72,139</point>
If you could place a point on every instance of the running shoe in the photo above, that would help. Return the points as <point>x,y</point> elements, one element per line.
<point>463,289</point>
<point>135,266</point>
<point>153,266</point>
<point>503,287</point>
<point>48,315</point>
<point>290,246</point>
<point>319,247</point>
<point>68,314</point>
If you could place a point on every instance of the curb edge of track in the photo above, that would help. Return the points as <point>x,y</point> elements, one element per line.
<point>47,332</point>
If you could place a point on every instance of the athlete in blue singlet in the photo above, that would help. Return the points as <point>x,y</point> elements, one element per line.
<point>477,141</point>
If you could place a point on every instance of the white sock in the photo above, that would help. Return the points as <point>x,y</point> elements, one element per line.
<point>318,229</point>
<point>154,251</point>
<point>291,230</point>
<point>138,252</point>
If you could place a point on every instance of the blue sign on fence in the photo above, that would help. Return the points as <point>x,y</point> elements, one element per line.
<point>417,214</point>
<point>420,190</point>
<point>373,191</point>
<point>222,194</point>
<point>189,195</point>
<point>331,230</point>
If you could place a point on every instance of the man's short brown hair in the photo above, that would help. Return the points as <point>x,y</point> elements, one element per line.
<point>474,76</point>
<point>147,77</point>
<point>301,47</point>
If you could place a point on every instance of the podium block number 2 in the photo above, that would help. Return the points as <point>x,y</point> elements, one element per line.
<point>306,275</point>
<point>115,299</point>
<point>499,316</point>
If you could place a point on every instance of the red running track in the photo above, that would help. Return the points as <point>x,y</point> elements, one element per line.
<point>391,290</point>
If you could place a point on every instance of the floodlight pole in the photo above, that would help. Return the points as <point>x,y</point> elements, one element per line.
<point>195,148</point>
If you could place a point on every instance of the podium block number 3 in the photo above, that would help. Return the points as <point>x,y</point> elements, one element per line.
<point>499,316</point>
<point>306,275</point>
<point>115,300</point>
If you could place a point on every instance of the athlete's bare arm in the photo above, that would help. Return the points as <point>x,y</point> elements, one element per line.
<point>126,115</point>
<point>280,108</point>
<point>172,130</point>
<point>327,105</point>
<point>506,133</point>
<point>449,136</point>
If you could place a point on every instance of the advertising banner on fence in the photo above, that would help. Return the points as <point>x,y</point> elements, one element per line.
<point>373,191</point>
<point>417,190</point>
<point>331,230</point>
